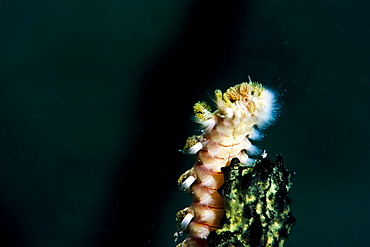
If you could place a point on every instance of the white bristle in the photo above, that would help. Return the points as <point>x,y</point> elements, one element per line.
<point>253,150</point>
<point>194,149</point>
<point>249,162</point>
<point>188,182</point>
<point>209,124</point>
<point>266,114</point>
<point>255,135</point>
<point>187,219</point>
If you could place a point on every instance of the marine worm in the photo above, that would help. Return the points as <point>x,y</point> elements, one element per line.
<point>226,133</point>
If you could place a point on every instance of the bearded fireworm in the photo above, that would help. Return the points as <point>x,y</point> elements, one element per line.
<point>227,132</point>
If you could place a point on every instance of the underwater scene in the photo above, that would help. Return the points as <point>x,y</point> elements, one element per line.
<point>104,105</point>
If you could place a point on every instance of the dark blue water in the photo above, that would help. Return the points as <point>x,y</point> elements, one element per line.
<point>96,99</point>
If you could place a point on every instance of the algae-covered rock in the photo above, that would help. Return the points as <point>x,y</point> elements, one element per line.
<point>257,206</point>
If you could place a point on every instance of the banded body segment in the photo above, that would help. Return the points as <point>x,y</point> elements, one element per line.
<point>207,177</point>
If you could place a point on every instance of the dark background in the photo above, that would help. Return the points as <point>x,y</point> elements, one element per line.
<point>96,100</point>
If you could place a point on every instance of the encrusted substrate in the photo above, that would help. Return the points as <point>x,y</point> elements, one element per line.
<point>257,206</point>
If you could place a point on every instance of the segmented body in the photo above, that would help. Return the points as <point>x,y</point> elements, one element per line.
<point>226,134</point>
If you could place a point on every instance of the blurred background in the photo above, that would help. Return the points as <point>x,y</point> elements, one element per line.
<point>96,100</point>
